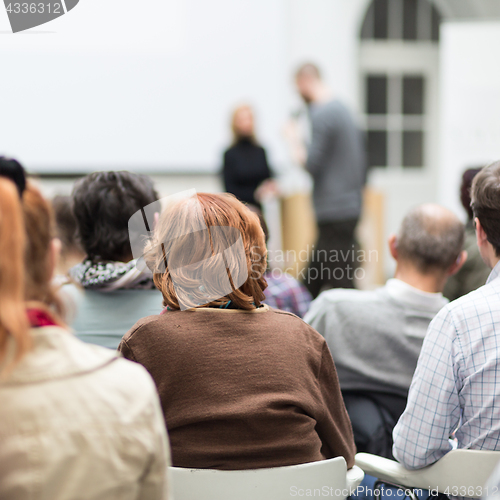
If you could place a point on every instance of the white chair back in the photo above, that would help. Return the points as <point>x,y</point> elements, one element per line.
<point>278,483</point>
<point>459,473</point>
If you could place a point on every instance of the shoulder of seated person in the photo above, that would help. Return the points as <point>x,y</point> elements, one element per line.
<point>346,295</point>
<point>298,322</point>
<point>147,321</point>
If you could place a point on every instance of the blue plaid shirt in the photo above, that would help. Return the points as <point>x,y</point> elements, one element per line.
<point>456,386</point>
<point>286,293</point>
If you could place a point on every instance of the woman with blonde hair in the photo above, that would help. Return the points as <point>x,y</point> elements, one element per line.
<point>242,386</point>
<point>76,421</point>
<point>245,169</point>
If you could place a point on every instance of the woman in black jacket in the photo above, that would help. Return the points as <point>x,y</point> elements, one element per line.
<point>245,164</point>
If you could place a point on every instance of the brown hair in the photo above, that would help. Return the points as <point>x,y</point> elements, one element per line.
<point>308,69</point>
<point>66,229</point>
<point>178,238</point>
<point>38,219</point>
<point>467,178</point>
<point>234,130</point>
<point>13,319</point>
<point>485,202</point>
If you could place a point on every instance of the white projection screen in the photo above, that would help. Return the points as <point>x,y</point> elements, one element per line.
<point>143,85</point>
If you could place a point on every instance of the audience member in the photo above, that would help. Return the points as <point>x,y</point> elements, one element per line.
<point>336,162</point>
<point>117,294</point>
<point>245,168</point>
<point>71,254</point>
<point>375,336</point>
<point>66,230</point>
<point>283,291</point>
<point>242,386</point>
<point>456,388</point>
<point>77,421</point>
<point>474,272</point>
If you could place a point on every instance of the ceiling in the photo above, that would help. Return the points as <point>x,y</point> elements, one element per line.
<point>469,9</point>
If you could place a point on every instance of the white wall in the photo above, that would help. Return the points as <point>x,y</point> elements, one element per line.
<point>327,32</point>
<point>142,85</point>
<point>470,102</point>
<point>111,85</point>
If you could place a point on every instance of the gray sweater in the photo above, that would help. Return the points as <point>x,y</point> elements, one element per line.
<point>336,161</point>
<point>375,336</point>
<point>104,317</point>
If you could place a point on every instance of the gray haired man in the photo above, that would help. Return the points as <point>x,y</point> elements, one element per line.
<point>375,336</point>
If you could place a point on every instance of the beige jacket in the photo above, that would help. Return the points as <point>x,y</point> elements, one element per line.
<point>77,422</point>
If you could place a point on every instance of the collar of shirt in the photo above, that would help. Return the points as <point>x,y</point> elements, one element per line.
<point>404,292</point>
<point>495,272</point>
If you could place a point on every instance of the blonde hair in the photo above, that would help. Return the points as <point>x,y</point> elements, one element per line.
<point>236,134</point>
<point>178,238</point>
<point>13,319</point>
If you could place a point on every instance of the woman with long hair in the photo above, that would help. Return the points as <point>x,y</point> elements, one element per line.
<point>242,386</point>
<point>76,421</point>
<point>245,169</point>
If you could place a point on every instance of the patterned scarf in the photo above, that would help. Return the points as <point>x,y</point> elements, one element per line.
<point>109,276</point>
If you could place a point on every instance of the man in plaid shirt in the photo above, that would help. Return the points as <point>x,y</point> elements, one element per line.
<point>456,386</point>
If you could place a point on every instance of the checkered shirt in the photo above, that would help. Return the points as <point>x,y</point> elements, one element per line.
<point>286,293</point>
<point>456,386</point>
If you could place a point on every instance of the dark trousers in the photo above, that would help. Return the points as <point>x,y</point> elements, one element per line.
<point>333,261</point>
<point>373,417</point>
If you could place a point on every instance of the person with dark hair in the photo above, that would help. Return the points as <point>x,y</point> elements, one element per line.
<point>117,294</point>
<point>13,170</point>
<point>336,161</point>
<point>245,171</point>
<point>66,230</point>
<point>77,421</point>
<point>242,386</point>
<point>474,272</point>
<point>456,386</point>
<point>375,336</point>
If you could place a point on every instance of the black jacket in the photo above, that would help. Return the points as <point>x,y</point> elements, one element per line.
<point>245,168</point>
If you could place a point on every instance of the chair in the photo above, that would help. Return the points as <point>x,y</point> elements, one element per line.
<point>278,483</point>
<point>459,473</point>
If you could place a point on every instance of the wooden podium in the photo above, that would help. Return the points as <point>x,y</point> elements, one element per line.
<point>298,235</point>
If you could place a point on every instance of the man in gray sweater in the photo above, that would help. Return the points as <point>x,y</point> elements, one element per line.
<point>336,162</point>
<point>375,336</point>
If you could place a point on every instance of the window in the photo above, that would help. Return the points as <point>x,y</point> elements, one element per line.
<point>401,20</point>
<point>395,120</point>
<point>399,44</point>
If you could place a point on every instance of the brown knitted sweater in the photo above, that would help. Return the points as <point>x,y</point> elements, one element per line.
<point>243,390</point>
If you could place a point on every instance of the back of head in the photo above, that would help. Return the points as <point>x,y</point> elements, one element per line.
<point>431,238</point>
<point>485,202</point>
<point>13,319</point>
<point>103,203</point>
<point>62,207</point>
<point>202,244</point>
<point>39,222</point>
<point>465,188</point>
<point>13,170</point>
